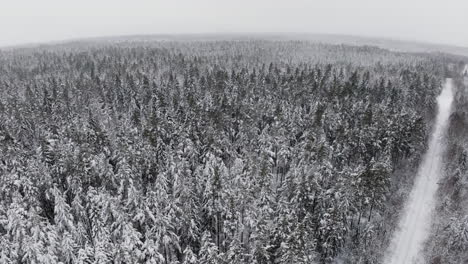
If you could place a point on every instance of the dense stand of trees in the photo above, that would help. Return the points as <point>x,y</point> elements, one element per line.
<point>207,152</point>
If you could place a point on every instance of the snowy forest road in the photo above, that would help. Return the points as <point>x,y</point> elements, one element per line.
<point>413,229</point>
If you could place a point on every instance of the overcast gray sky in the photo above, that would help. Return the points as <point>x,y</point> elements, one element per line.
<point>438,21</point>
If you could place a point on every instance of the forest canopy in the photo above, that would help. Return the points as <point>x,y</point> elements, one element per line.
<point>208,151</point>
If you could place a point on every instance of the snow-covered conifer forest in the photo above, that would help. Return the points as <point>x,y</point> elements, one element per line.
<point>233,151</point>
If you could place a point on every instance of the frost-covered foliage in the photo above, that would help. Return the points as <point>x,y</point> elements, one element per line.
<point>206,152</point>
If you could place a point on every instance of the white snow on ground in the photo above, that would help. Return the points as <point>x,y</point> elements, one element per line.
<point>413,229</point>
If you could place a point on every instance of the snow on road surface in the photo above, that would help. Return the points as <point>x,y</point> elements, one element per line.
<point>414,226</point>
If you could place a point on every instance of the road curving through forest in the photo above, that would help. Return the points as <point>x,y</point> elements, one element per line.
<point>414,226</point>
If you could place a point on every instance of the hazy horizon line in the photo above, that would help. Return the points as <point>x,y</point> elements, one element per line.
<point>32,44</point>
